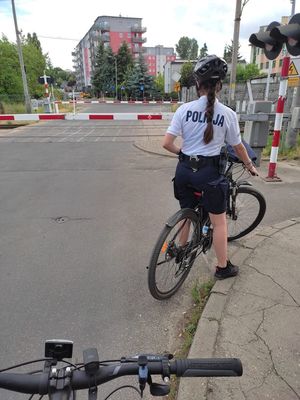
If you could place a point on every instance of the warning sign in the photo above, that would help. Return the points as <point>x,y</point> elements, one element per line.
<point>293,75</point>
<point>293,69</point>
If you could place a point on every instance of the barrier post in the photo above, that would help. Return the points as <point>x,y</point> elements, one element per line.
<point>272,177</point>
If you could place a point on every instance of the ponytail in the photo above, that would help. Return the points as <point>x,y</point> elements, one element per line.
<point>210,87</point>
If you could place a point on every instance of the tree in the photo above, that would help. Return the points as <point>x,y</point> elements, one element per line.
<point>33,39</point>
<point>186,72</point>
<point>246,72</point>
<point>227,55</point>
<point>187,48</point>
<point>138,82</point>
<point>194,50</point>
<point>159,84</point>
<point>124,61</point>
<point>35,65</point>
<point>203,51</point>
<point>104,71</point>
<point>11,87</point>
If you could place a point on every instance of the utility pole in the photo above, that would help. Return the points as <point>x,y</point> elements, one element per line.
<point>24,79</point>
<point>236,34</point>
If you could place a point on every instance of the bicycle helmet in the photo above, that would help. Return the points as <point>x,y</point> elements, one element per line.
<point>210,67</point>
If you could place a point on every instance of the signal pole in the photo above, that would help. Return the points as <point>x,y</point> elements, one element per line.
<point>24,79</point>
<point>292,133</point>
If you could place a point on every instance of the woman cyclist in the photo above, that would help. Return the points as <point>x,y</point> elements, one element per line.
<point>205,125</point>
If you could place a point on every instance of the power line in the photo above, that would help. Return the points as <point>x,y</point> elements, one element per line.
<point>58,38</point>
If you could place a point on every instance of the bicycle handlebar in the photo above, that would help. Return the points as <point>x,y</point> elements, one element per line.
<point>40,383</point>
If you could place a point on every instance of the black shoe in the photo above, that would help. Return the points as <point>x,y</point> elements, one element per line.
<point>227,272</point>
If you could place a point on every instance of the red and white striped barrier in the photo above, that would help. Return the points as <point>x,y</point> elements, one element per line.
<point>278,120</point>
<point>116,102</point>
<point>85,116</point>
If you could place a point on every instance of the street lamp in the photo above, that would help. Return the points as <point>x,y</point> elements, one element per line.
<point>116,68</point>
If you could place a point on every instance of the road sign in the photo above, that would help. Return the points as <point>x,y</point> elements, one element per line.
<point>177,87</point>
<point>294,70</point>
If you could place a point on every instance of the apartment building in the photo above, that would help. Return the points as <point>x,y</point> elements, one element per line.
<point>113,31</point>
<point>258,57</point>
<point>156,57</point>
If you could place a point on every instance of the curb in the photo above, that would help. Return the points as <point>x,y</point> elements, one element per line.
<point>207,331</point>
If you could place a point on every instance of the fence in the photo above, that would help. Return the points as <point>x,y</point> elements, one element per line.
<point>242,95</point>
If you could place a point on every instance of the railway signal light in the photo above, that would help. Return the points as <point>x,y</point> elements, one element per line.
<point>289,34</point>
<point>272,39</point>
<point>265,41</point>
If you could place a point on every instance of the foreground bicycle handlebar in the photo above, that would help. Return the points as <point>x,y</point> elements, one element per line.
<point>58,383</point>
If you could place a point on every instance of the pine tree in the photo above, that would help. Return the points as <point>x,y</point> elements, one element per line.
<point>203,51</point>
<point>104,71</point>
<point>124,62</point>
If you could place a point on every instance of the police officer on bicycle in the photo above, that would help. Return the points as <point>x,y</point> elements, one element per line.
<point>205,125</point>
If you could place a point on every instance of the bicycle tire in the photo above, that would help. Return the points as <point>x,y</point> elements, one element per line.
<point>250,210</point>
<point>163,265</point>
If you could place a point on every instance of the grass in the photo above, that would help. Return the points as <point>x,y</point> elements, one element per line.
<point>284,153</point>
<point>200,294</point>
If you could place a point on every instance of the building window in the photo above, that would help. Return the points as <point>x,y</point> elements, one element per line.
<point>121,35</point>
<point>267,64</point>
<point>128,34</point>
<point>261,65</point>
<point>274,64</point>
<point>280,63</point>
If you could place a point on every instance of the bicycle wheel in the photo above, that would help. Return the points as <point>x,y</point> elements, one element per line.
<point>246,214</point>
<point>171,262</point>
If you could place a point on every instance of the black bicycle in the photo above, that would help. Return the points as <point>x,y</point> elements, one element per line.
<point>62,382</point>
<point>171,262</point>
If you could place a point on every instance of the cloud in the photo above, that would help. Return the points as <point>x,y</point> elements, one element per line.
<point>208,21</point>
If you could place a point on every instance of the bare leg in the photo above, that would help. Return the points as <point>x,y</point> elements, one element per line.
<point>220,237</point>
<point>184,233</point>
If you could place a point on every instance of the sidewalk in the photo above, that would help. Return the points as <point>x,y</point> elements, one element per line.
<point>254,316</point>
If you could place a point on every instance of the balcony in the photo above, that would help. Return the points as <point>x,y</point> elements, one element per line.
<point>138,40</point>
<point>105,37</point>
<point>138,29</point>
<point>139,49</point>
<point>102,26</point>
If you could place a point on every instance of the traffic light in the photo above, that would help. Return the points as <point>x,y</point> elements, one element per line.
<point>289,34</point>
<point>263,39</point>
<point>273,38</point>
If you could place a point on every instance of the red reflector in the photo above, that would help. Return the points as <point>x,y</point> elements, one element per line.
<point>51,116</point>
<point>7,117</point>
<point>95,116</point>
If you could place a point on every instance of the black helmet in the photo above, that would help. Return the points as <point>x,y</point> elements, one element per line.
<point>210,67</point>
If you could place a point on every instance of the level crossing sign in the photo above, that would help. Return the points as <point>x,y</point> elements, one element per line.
<point>294,72</point>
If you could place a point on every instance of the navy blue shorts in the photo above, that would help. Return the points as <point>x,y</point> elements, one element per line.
<point>207,180</point>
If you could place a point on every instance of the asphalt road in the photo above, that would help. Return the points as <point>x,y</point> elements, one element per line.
<point>80,209</point>
<point>78,220</point>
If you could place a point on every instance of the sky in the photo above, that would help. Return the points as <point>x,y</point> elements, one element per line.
<point>208,21</point>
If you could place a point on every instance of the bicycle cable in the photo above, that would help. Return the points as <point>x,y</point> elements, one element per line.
<point>124,387</point>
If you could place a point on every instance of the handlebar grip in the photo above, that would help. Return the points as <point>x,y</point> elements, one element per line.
<point>208,367</point>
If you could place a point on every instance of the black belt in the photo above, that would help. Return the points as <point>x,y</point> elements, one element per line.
<point>197,161</point>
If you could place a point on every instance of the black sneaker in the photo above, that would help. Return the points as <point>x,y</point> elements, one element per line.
<point>227,272</point>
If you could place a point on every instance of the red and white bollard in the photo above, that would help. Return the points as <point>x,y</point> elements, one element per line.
<point>278,120</point>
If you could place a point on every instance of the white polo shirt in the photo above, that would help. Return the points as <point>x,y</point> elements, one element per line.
<point>189,122</point>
